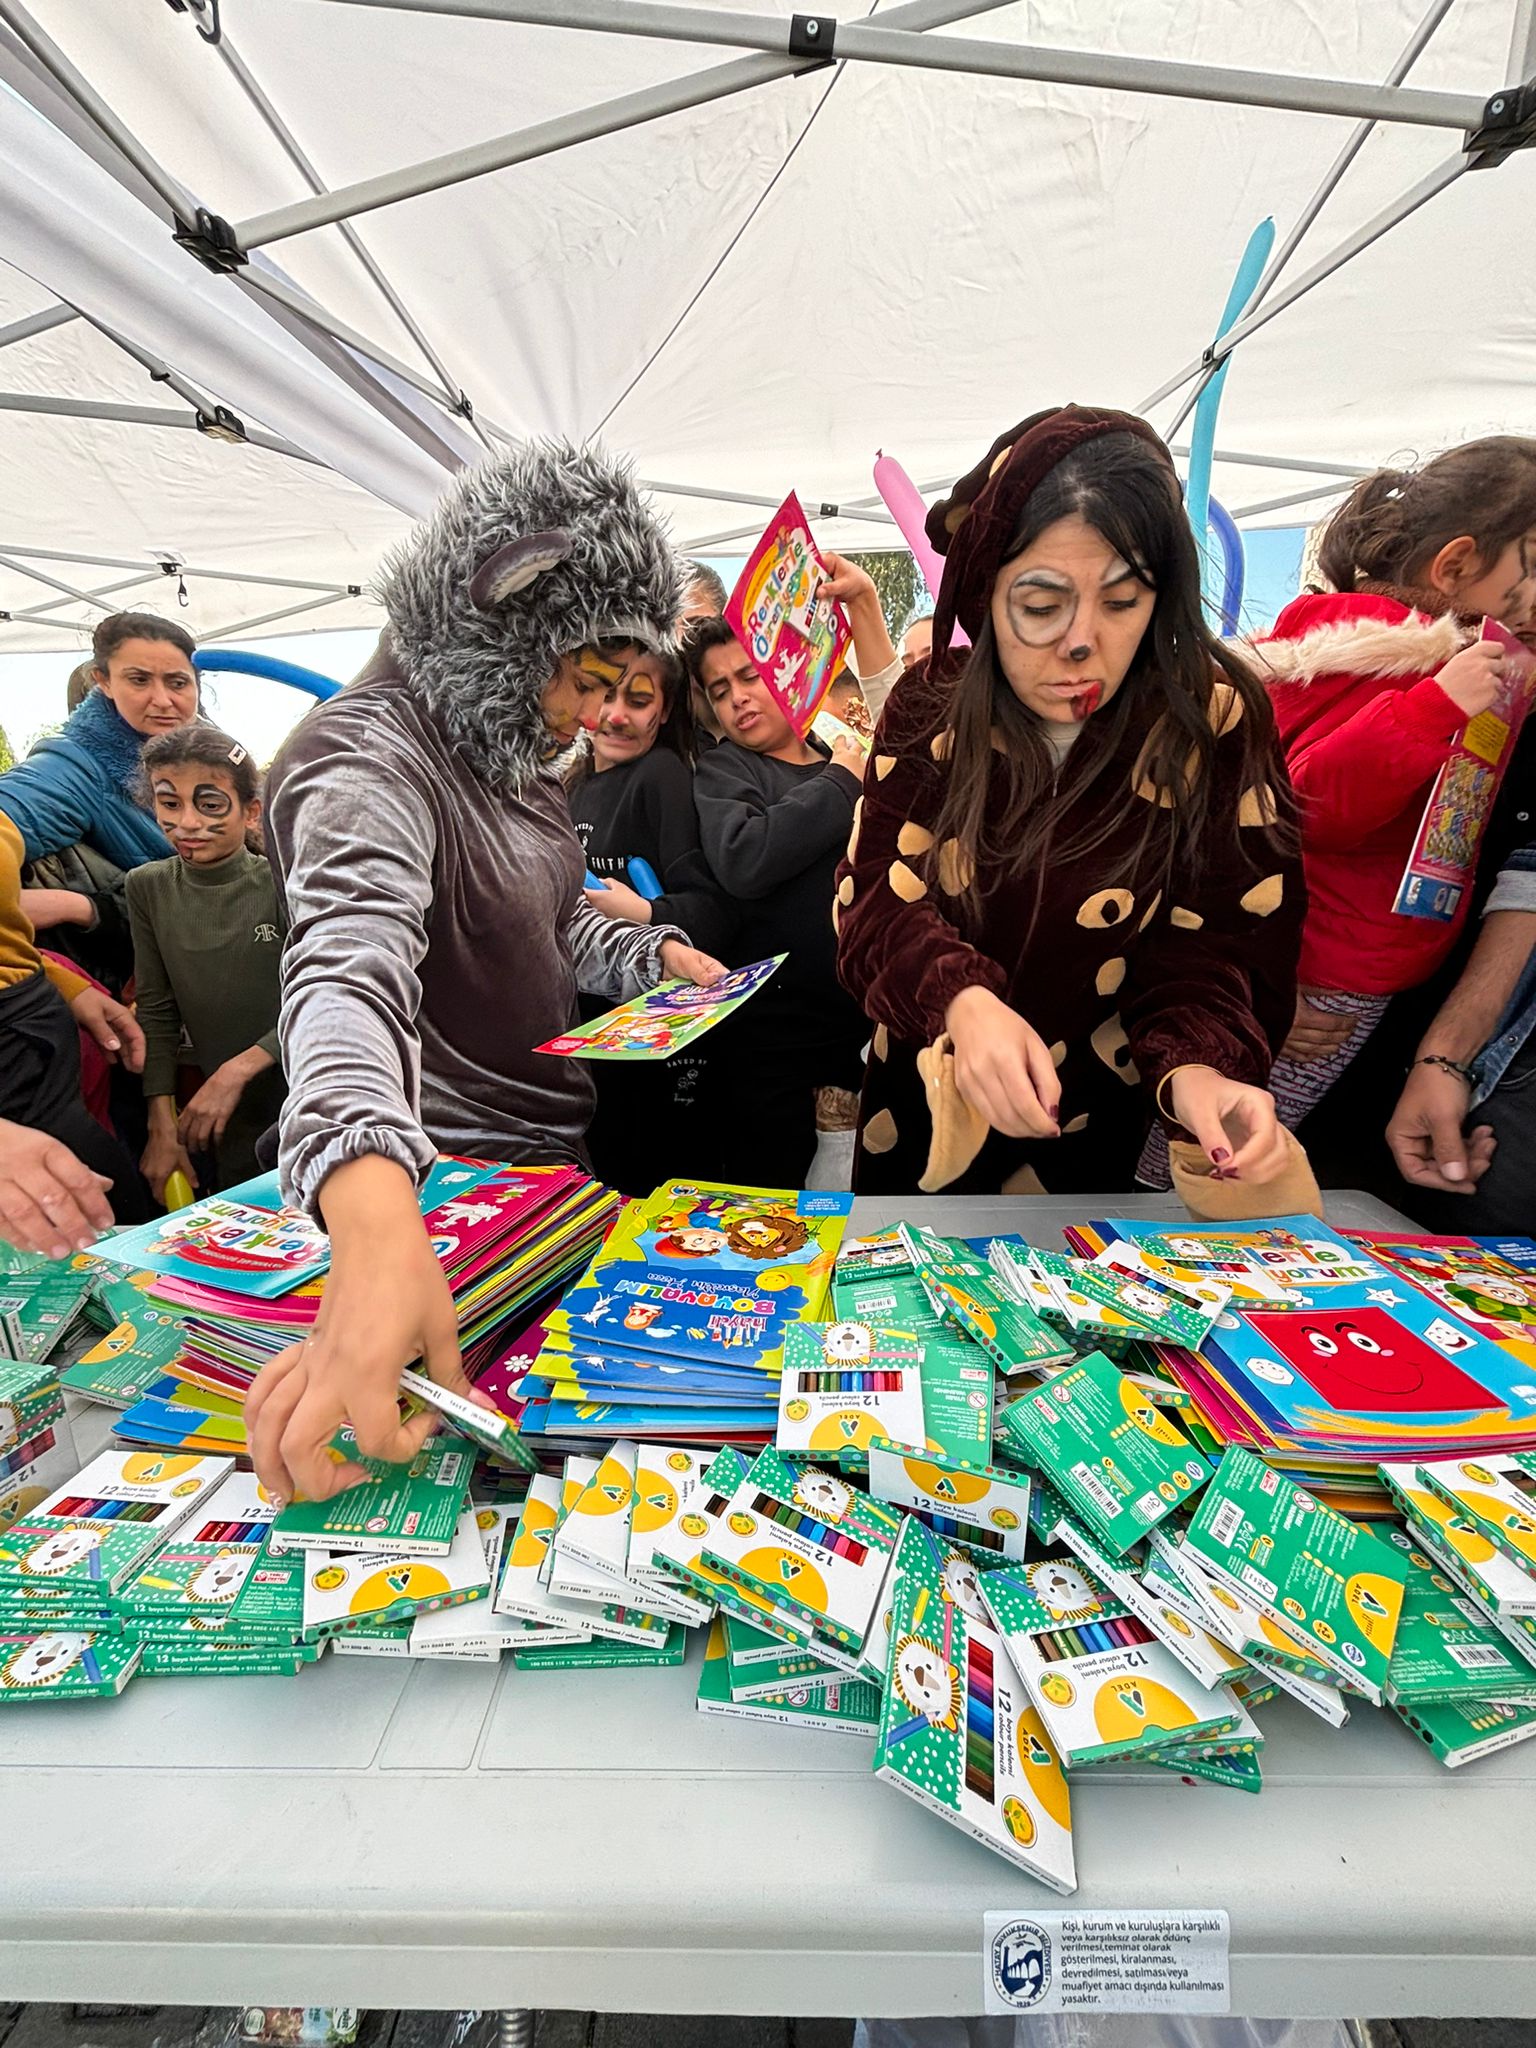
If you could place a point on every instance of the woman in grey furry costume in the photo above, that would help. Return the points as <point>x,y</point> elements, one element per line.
<point>437,925</point>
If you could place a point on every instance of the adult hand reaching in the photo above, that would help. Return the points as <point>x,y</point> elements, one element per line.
<point>1425,1133</point>
<point>1233,1122</point>
<point>386,1304</point>
<point>49,1202</point>
<point>1003,1067</point>
<point>113,1026</point>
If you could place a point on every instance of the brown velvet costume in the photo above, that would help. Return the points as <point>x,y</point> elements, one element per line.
<point>1126,971</point>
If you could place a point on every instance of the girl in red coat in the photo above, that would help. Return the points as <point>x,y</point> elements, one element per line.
<point>1070,897</point>
<point>1372,684</point>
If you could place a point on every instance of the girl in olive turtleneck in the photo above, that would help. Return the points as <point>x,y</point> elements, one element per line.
<point>207,942</point>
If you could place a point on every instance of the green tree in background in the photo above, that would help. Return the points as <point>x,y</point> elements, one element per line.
<point>900,584</point>
<point>7,758</point>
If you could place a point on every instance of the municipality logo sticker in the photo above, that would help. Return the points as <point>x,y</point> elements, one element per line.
<point>1021,1963</point>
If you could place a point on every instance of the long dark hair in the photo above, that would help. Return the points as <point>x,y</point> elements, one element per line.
<point>112,631</point>
<point>1183,688</point>
<point>1394,523</point>
<point>676,729</point>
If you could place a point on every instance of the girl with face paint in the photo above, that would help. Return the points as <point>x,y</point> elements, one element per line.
<point>207,941</point>
<point>631,800</point>
<point>1071,901</point>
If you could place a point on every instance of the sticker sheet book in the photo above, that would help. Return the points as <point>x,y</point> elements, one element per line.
<point>958,1732</point>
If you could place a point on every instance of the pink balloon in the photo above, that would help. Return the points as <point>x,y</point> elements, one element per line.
<point>905,505</point>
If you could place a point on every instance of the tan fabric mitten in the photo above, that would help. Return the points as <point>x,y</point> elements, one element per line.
<point>959,1132</point>
<point>1292,1192</point>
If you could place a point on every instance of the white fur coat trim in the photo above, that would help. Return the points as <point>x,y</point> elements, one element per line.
<point>1415,646</point>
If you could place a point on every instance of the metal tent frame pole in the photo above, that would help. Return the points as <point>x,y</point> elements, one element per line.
<point>452,389</point>
<point>169,565</point>
<point>290,611</point>
<point>1333,490</point>
<point>37,323</point>
<point>135,416</point>
<point>18,568</point>
<point>864,42</point>
<point>43,611</point>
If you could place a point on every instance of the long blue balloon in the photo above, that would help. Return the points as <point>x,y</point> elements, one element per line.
<point>1202,437</point>
<point>226,661</point>
<point>1234,566</point>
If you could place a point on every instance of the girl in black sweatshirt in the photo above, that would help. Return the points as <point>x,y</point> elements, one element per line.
<point>632,800</point>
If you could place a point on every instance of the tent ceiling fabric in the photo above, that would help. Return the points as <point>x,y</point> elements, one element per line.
<point>760,293</point>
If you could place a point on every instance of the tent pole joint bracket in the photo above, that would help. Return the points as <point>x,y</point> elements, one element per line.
<point>212,240</point>
<point>813,36</point>
<point>1509,123</point>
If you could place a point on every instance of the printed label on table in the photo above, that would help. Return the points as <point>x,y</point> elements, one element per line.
<point>1107,1962</point>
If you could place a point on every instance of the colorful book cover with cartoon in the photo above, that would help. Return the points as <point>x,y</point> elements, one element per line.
<point>702,1270</point>
<point>1339,1585</point>
<point>1489,1283</point>
<point>797,637</point>
<point>845,1384</point>
<point>1444,855</point>
<point>958,1731</point>
<point>1120,1462</point>
<point>1268,1259</point>
<point>65,1666</point>
<point>665,1019</point>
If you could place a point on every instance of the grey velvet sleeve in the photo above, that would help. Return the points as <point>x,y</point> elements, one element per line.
<point>357,840</point>
<point>614,958</point>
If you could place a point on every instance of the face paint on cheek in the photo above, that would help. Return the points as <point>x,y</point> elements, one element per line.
<point>1086,702</point>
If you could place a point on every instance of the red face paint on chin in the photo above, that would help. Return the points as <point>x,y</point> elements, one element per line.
<point>1085,704</point>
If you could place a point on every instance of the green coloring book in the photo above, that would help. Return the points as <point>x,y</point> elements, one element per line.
<point>1120,1463</point>
<point>410,1509</point>
<point>65,1666</point>
<point>844,1384</point>
<point>1340,1587</point>
<point>958,1731</point>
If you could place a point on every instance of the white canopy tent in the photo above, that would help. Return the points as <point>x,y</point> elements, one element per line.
<point>446,221</point>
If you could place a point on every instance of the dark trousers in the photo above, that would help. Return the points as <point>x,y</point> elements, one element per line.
<point>40,1087</point>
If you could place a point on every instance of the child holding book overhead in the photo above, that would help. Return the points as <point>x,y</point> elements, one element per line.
<point>1070,898</point>
<point>631,802</point>
<point>207,943</point>
<point>1372,683</point>
<point>437,925</point>
<point>775,812</point>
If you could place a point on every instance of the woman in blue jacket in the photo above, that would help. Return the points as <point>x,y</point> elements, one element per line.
<point>76,788</point>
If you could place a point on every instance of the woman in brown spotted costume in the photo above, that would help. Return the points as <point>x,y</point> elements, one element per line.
<point>1073,865</point>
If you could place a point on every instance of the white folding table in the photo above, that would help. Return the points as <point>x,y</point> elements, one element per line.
<point>419,1835</point>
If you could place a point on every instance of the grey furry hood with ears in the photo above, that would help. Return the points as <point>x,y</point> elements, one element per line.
<point>529,556</point>
<point>1414,646</point>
